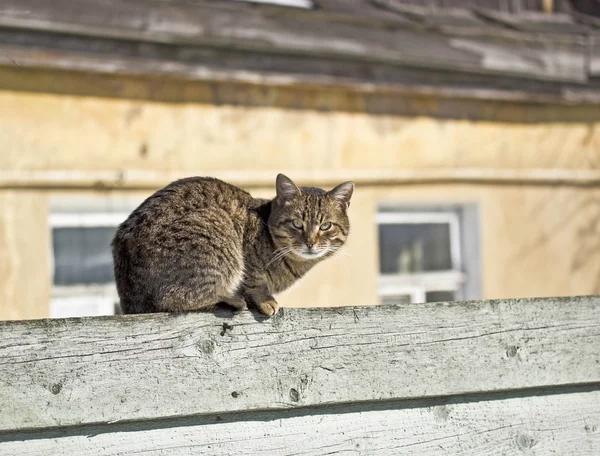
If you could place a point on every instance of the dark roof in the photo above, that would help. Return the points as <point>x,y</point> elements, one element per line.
<point>480,48</point>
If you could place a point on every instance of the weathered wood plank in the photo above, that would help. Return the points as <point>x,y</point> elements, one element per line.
<point>203,64</point>
<point>361,9</point>
<point>439,18</point>
<point>535,21</point>
<point>69,372</point>
<point>562,424</point>
<point>236,26</point>
<point>595,56</point>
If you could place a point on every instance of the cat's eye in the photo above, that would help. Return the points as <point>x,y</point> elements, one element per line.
<point>325,226</point>
<point>297,224</point>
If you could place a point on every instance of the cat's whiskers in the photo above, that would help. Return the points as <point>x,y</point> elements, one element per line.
<point>334,249</point>
<point>279,254</point>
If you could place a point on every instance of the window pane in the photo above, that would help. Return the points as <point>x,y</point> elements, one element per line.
<point>82,255</point>
<point>409,248</point>
<point>440,296</point>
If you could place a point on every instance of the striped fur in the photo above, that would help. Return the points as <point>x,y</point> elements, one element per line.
<point>200,241</point>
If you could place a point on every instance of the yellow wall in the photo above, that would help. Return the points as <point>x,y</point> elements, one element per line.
<point>537,240</point>
<point>24,255</point>
<point>58,132</point>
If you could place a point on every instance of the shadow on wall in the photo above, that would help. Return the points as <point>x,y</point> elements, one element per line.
<point>173,90</point>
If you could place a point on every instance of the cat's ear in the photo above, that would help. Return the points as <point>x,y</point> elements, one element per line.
<point>343,193</point>
<point>286,189</point>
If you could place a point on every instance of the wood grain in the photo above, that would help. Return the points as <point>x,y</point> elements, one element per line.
<point>304,72</point>
<point>98,370</point>
<point>595,55</point>
<point>563,424</point>
<point>238,26</point>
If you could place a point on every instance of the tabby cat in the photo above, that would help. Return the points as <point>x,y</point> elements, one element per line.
<point>200,241</point>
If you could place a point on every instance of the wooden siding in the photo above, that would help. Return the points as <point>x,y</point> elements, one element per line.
<point>365,46</point>
<point>489,377</point>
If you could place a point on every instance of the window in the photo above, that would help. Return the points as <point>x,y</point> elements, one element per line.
<point>428,254</point>
<point>83,282</point>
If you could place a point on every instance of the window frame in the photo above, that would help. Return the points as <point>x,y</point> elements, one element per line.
<point>64,296</point>
<point>464,276</point>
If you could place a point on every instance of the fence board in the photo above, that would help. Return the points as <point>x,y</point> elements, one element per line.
<point>563,424</point>
<point>99,370</point>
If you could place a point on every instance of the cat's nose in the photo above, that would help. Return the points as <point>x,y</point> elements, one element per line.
<point>310,244</point>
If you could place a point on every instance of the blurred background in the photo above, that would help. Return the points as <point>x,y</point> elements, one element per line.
<point>470,127</point>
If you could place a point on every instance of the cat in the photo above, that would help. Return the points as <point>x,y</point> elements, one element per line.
<point>200,241</point>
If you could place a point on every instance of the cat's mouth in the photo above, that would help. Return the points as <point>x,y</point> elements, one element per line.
<point>311,253</point>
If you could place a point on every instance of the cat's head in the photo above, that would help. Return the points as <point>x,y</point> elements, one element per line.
<point>310,222</point>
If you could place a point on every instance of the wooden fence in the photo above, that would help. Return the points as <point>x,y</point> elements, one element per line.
<point>492,378</point>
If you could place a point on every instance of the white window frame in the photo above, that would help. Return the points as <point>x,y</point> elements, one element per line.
<point>393,289</point>
<point>418,284</point>
<point>85,299</point>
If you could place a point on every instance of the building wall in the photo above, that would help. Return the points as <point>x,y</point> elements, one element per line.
<point>537,240</point>
<point>24,255</point>
<point>62,132</point>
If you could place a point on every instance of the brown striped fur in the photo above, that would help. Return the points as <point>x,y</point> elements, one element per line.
<point>200,241</point>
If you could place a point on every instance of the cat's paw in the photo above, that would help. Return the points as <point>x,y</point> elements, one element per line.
<point>269,307</point>
<point>237,302</point>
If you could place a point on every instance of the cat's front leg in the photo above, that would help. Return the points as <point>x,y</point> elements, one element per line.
<point>269,306</point>
<point>260,296</point>
<point>237,302</point>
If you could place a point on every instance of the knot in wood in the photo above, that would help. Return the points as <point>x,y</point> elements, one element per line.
<point>442,412</point>
<point>294,395</point>
<point>207,346</point>
<point>55,389</point>
<point>511,351</point>
<point>226,327</point>
<point>524,441</point>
